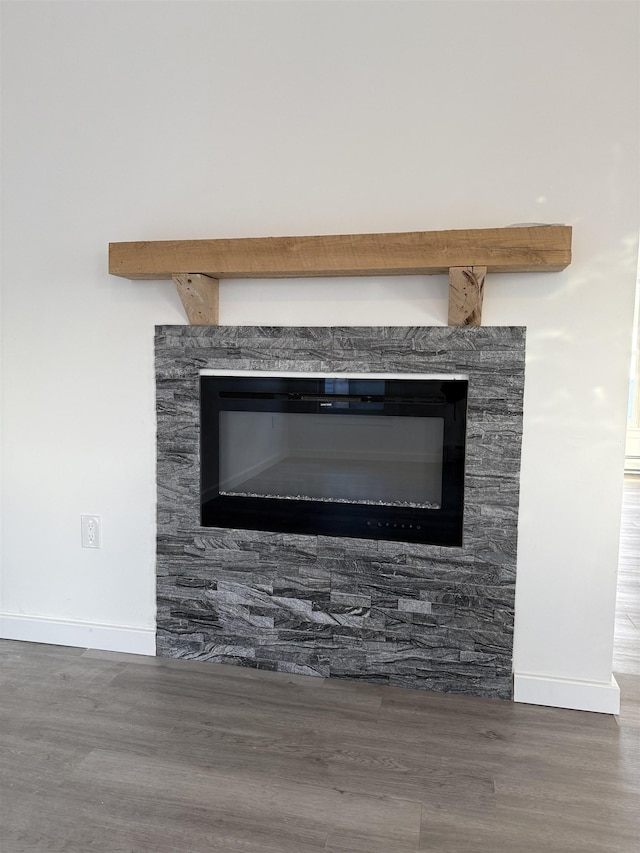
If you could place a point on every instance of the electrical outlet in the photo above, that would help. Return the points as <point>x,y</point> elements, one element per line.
<point>91,531</point>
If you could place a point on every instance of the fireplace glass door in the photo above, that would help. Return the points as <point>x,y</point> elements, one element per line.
<point>392,461</point>
<point>373,458</point>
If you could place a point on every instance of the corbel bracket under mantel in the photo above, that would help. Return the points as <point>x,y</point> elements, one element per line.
<point>467,256</point>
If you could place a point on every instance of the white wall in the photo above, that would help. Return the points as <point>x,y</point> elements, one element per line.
<point>127,121</point>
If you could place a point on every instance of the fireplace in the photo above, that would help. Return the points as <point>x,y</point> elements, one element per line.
<point>374,457</point>
<point>380,608</point>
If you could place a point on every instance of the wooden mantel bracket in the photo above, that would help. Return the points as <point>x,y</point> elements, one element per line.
<point>465,255</point>
<point>466,289</point>
<point>199,295</point>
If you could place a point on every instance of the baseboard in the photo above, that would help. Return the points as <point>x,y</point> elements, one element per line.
<point>528,689</point>
<point>86,635</point>
<point>565,693</point>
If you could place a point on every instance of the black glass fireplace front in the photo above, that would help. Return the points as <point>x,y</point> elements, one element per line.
<point>368,457</point>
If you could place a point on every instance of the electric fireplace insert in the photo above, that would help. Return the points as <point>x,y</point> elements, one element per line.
<point>375,457</point>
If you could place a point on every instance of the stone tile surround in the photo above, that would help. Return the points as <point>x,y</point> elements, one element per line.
<point>422,616</point>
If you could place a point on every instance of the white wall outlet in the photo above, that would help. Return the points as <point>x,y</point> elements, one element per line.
<point>91,531</point>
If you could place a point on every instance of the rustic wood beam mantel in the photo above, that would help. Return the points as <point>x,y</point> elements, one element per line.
<point>536,248</point>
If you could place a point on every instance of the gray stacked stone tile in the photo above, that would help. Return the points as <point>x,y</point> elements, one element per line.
<point>421,616</point>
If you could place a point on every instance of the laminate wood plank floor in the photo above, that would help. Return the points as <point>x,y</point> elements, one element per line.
<point>110,752</point>
<point>118,753</point>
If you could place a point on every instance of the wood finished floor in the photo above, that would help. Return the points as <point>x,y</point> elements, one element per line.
<point>117,753</point>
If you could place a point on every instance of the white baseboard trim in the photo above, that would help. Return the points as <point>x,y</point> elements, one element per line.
<point>86,635</point>
<point>565,693</point>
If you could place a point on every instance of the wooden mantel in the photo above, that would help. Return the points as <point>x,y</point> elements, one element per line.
<point>197,265</point>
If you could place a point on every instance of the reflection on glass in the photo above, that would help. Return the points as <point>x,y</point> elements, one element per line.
<point>363,459</point>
